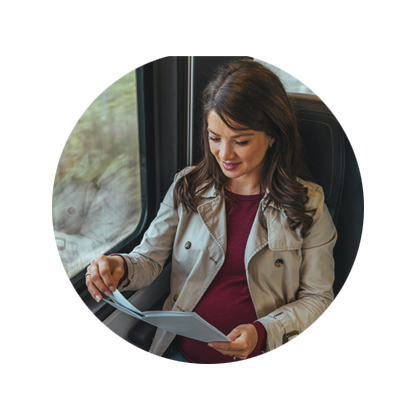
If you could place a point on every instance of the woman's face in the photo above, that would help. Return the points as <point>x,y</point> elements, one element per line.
<point>239,154</point>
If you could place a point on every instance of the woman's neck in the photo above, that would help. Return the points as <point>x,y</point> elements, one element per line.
<point>243,189</point>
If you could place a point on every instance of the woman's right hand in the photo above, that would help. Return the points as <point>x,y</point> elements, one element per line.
<point>103,275</point>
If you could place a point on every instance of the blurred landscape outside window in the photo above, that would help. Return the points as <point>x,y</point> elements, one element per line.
<point>96,194</point>
<point>301,74</point>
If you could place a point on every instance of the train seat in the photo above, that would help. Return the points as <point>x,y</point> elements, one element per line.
<point>347,77</point>
<point>332,130</point>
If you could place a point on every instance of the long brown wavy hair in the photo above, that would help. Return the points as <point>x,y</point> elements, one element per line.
<point>248,96</point>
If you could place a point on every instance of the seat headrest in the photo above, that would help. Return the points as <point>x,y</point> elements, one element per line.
<point>324,147</point>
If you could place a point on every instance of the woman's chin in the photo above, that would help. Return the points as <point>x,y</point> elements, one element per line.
<point>232,174</point>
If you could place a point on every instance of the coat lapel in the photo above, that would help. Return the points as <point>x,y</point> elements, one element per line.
<point>212,213</point>
<point>257,238</point>
<point>279,237</point>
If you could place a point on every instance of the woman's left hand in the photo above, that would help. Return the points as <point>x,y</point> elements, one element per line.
<point>244,339</point>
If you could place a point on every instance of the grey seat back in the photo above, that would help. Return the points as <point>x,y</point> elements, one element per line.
<point>332,164</point>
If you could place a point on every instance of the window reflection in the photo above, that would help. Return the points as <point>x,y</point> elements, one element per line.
<point>96,194</point>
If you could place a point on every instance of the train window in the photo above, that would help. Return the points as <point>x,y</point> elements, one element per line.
<point>305,74</point>
<point>96,194</point>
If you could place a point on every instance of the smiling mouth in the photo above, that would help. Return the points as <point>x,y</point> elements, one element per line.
<point>230,166</point>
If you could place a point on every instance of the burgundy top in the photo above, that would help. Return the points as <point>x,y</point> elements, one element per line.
<point>227,302</point>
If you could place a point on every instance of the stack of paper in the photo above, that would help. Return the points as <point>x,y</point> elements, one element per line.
<point>187,324</point>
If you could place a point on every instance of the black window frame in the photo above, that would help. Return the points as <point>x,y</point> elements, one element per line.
<point>145,111</point>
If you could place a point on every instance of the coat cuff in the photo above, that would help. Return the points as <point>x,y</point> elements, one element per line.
<point>279,329</point>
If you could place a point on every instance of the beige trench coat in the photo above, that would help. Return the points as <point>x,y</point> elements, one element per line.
<point>288,296</point>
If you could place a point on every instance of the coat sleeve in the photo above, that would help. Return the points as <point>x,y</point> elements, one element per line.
<point>147,260</point>
<point>316,280</point>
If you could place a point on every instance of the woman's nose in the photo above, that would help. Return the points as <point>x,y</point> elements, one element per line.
<point>226,151</point>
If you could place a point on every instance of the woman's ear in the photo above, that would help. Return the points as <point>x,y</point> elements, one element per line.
<point>271,141</point>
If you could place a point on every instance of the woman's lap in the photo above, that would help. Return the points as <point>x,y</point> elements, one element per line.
<point>173,353</point>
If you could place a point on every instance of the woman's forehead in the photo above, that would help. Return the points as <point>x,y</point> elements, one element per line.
<point>217,126</point>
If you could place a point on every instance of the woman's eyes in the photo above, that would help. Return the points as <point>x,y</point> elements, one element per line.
<point>238,143</point>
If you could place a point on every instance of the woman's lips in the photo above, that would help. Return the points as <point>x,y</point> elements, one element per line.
<point>230,166</point>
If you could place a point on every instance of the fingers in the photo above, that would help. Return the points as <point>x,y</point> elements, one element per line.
<point>99,278</point>
<point>92,289</point>
<point>243,341</point>
<point>233,349</point>
<point>104,275</point>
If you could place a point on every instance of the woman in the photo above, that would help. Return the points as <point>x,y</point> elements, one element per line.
<point>251,242</point>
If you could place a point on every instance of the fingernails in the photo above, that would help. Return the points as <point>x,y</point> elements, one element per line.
<point>112,288</point>
<point>211,345</point>
<point>107,293</point>
<point>97,298</point>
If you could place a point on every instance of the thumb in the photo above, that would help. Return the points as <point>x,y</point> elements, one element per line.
<point>235,333</point>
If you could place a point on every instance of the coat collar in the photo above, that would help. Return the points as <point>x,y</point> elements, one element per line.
<point>212,193</point>
<point>279,237</point>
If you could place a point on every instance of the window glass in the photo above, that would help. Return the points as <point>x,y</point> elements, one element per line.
<point>305,74</point>
<point>96,194</point>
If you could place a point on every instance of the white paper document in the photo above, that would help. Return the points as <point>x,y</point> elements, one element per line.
<point>187,324</point>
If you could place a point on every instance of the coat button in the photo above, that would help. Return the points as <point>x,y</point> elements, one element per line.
<point>176,297</point>
<point>187,245</point>
<point>278,263</point>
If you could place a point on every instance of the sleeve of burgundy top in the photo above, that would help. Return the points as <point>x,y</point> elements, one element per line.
<point>262,337</point>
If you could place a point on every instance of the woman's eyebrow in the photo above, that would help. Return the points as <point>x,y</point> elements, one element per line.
<point>233,137</point>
